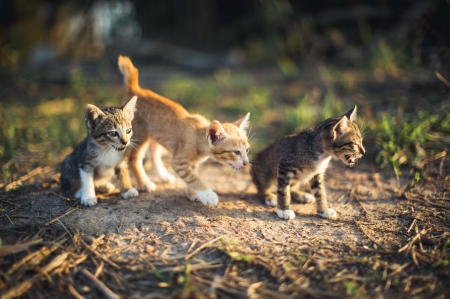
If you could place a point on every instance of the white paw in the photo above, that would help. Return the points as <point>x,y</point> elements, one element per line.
<point>307,198</point>
<point>207,197</point>
<point>110,187</point>
<point>149,187</point>
<point>271,202</point>
<point>130,193</point>
<point>329,214</point>
<point>286,214</point>
<point>89,201</point>
<point>168,178</point>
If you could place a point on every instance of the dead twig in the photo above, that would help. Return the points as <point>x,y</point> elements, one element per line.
<point>99,285</point>
<point>62,216</point>
<point>422,163</point>
<point>11,203</point>
<point>99,255</point>
<point>201,247</point>
<point>411,226</point>
<point>35,171</point>
<point>10,249</point>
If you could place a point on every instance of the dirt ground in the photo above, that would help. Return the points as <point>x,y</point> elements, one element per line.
<point>389,241</point>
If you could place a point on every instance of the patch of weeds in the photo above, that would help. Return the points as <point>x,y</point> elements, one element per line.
<point>352,290</point>
<point>314,106</point>
<point>49,127</point>
<point>230,250</point>
<point>408,139</point>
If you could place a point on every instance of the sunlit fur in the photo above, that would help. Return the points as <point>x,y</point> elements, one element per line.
<point>304,157</point>
<point>101,154</point>
<point>190,139</point>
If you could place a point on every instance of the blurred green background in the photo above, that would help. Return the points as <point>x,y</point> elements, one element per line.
<point>291,64</point>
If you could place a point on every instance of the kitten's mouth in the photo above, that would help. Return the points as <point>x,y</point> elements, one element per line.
<point>119,149</point>
<point>235,167</point>
<point>350,159</point>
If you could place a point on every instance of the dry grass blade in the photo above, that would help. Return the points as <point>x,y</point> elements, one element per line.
<point>210,265</point>
<point>11,203</point>
<point>74,292</point>
<point>5,250</point>
<point>62,216</point>
<point>99,285</point>
<point>202,247</point>
<point>422,163</point>
<point>35,171</point>
<point>99,254</point>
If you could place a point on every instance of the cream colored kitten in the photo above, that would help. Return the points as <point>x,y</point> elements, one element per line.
<point>190,139</point>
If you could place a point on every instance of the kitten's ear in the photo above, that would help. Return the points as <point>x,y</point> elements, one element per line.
<point>93,115</point>
<point>351,114</point>
<point>130,107</point>
<point>339,128</point>
<point>215,133</point>
<point>243,123</point>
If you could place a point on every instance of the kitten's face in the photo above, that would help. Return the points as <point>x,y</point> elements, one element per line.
<point>344,139</point>
<point>229,143</point>
<point>348,146</point>
<point>111,127</point>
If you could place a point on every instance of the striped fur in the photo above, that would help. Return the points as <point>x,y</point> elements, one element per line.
<point>190,139</point>
<point>304,157</point>
<point>101,154</point>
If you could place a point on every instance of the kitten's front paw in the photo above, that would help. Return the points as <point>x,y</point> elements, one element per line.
<point>207,197</point>
<point>191,194</point>
<point>329,214</point>
<point>130,193</point>
<point>89,201</point>
<point>271,200</point>
<point>149,187</point>
<point>286,214</point>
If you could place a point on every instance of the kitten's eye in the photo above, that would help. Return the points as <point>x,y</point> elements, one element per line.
<point>128,131</point>
<point>247,150</point>
<point>236,152</point>
<point>112,134</point>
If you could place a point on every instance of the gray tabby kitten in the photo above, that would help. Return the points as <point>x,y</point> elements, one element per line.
<point>100,155</point>
<point>304,157</point>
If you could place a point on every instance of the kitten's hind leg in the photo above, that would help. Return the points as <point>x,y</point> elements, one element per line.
<point>103,185</point>
<point>196,188</point>
<point>301,196</point>
<point>137,168</point>
<point>285,174</point>
<point>159,169</point>
<point>126,189</point>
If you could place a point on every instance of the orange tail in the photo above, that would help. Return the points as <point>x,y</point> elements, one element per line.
<point>130,73</point>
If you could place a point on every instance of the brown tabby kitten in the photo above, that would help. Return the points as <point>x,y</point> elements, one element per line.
<point>100,154</point>
<point>304,157</point>
<point>190,139</point>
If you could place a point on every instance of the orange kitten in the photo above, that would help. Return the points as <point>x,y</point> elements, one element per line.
<point>190,139</point>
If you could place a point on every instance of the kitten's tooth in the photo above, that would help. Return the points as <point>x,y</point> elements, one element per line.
<point>329,214</point>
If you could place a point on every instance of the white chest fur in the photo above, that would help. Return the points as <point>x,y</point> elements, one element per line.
<point>321,166</point>
<point>109,158</point>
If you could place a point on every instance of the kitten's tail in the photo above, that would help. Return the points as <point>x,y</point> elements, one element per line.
<point>130,73</point>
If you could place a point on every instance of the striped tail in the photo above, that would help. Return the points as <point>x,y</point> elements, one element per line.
<point>130,73</point>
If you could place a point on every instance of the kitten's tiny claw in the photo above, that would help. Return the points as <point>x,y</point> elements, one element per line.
<point>89,201</point>
<point>130,193</point>
<point>271,202</point>
<point>150,187</point>
<point>207,197</point>
<point>286,214</point>
<point>329,214</point>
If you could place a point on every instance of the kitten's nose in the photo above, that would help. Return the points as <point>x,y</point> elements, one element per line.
<point>362,150</point>
<point>123,141</point>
